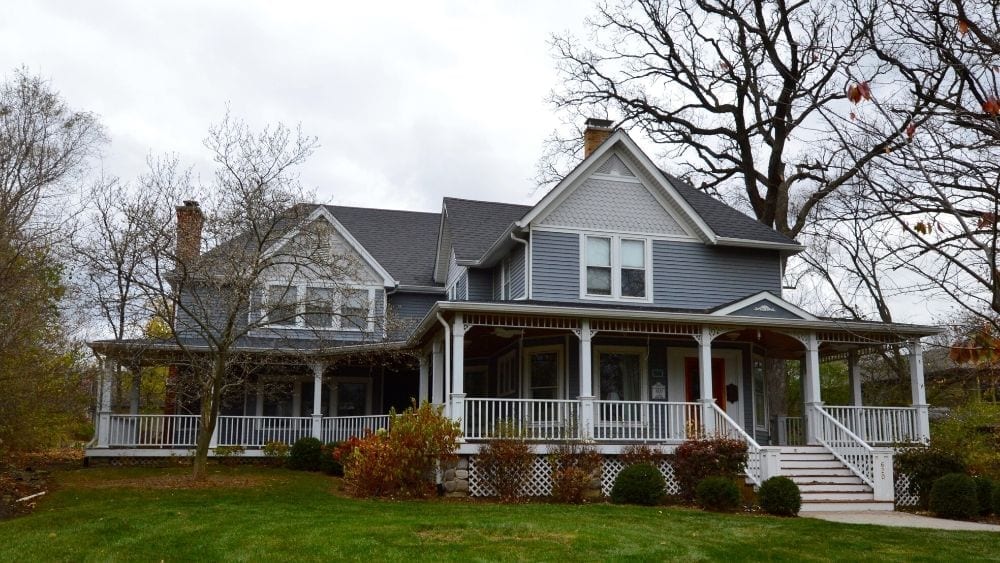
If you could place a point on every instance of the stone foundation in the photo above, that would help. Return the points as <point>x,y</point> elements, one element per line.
<point>456,478</point>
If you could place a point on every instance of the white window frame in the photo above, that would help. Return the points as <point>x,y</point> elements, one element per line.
<point>301,289</point>
<point>505,279</point>
<point>765,416</point>
<point>643,354</point>
<point>560,368</point>
<point>506,374</point>
<point>616,268</point>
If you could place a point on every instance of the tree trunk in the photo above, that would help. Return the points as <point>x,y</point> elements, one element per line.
<point>206,429</point>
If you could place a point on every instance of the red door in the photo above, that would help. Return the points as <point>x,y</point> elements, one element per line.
<point>718,381</point>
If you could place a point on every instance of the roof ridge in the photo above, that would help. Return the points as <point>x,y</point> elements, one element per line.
<point>490,202</point>
<point>335,206</point>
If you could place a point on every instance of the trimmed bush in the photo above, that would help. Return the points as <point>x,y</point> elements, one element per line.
<point>695,460</point>
<point>329,463</point>
<point>780,496</point>
<point>640,483</point>
<point>984,494</point>
<point>954,496</point>
<point>575,468</point>
<point>506,462</point>
<point>718,494</point>
<point>925,465</point>
<point>305,454</point>
<point>276,453</point>
<point>641,453</point>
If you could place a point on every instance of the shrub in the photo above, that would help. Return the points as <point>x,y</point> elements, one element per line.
<point>505,463</point>
<point>401,462</point>
<point>718,494</point>
<point>575,467</point>
<point>227,454</point>
<point>641,453</point>
<point>639,483</point>
<point>925,465</point>
<point>984,494</point>
<point>954,496</point>
<point>305,454</point>
<point>780,496</point>
<point>971,432</point>
<point>345,449</point>
<point>996,500</point>
<point>276,452</point>
<point>328,462</point>
<point>696,460</point>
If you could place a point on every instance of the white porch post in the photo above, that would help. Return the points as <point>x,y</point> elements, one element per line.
<point>586,397</point>
<point>854,373</point>
<point>423,384</point>
<point>705,379</point>
<point>885,484</point>
<point>317,412</point>
<point>811,389</point>
<point>104,403</point>
<point>918,391</point>
<point>437,372</point>
<point>458,368</point>
<point>133,406</point>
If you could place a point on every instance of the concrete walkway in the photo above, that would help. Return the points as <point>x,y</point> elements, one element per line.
<point>901,519</point>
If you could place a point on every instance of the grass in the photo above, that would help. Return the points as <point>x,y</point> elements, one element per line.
<point>244,514</point>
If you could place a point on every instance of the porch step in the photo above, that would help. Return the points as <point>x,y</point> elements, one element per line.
<point>792,450</point>
<point>801,480</point>
<point>838,506</point>
<point>826,487</point>
<point>826,484</point>
<point>815,472</point>
<point>793,464</point>
<point>818,456</point>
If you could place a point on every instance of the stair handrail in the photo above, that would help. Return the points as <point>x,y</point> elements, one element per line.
<point>754,460</point>
<point>846,446</point>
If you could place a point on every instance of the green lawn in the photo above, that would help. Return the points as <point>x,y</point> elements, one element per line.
<point>259,513</point>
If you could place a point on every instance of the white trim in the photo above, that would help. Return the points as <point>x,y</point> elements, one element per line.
<point>302,287</point>
<point>616,269</point>
<point>511,391</point>
<point>769,297</point>
<point>526,367</point>
<point>733,362</point>
<point>589,164</point>
<point>633,234</point>
<point>322,211</point>
<point>748,243</point>
<point>613,178</point>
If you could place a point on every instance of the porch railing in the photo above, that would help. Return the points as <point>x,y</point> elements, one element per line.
<point>340,428</point>
<point>643,421</point>
<point>726,426</point>
<point>153,430</point>
<point>257,431</point>
<point>845,445</point>
<point>790,430</point>
<point>878,425</point>
<point>534,419</point>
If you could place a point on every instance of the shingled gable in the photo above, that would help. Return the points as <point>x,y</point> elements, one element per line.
<point>764,304</point>
<point>708,219</point>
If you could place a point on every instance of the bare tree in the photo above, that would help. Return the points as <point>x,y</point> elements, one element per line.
<point>263,240</point>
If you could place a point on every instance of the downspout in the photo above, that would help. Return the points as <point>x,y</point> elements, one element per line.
<point>447,363</point>
<point>527,261</point>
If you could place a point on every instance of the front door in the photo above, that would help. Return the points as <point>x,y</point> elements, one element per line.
<point>693,381</point>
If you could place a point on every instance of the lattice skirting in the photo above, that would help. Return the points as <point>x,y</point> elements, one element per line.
<point>539,483</point>
<point>903,495</point>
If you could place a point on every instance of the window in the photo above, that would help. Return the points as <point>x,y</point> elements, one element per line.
<point>505,374</point>
<point>615,267</point>
<point>505,279</point>
<point>354,312</point>
<point>543,372</point>
<point>283,303</point>
<point>319,307</point>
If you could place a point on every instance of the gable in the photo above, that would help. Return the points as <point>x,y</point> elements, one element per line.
<point>764,308</point>
<point>765,304</point>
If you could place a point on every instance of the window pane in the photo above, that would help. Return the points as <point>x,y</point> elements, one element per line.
<point>319,307</point>
<point>633,283</point>
<point>599,281</point>
<point>354,313</point>
<point>598,251</point>
<point>620,377</point>
<point>281,303</point>
<point>633,254</point>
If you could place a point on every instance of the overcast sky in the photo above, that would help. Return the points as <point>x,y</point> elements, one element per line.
<point>411,102</point>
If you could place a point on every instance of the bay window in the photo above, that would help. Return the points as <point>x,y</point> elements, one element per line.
<point>615,267</point>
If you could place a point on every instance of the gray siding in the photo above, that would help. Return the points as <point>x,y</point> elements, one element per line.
<point>462,287</point>
<point>555,262</point>
<point>408,309</point>
<point>205,309</point>
<point>480,284</point>
<point>686,275</point>
<point>690,275</point>
<point>517,272</point>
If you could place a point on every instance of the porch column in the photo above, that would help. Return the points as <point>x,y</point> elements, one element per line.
<point>317,413</point>
<point>705,380</point>
<point>133,396</point>
<point>104,403</point>
<point>437,372</point>
<point>919,392</point>
<point>586,397</point>
<point>458,368</point>
<point>424,375</point>
<point>811,389</point>
<point>854,373</point>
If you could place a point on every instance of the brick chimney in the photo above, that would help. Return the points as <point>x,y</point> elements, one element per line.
<point>190,221</point>
<point>596,132</point>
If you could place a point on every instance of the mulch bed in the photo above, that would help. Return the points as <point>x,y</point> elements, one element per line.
<point>24,474</point>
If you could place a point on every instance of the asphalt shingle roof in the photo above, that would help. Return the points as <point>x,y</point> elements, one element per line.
<point>403,242</point>
<point>476,225</point>
<point>724,220</point>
